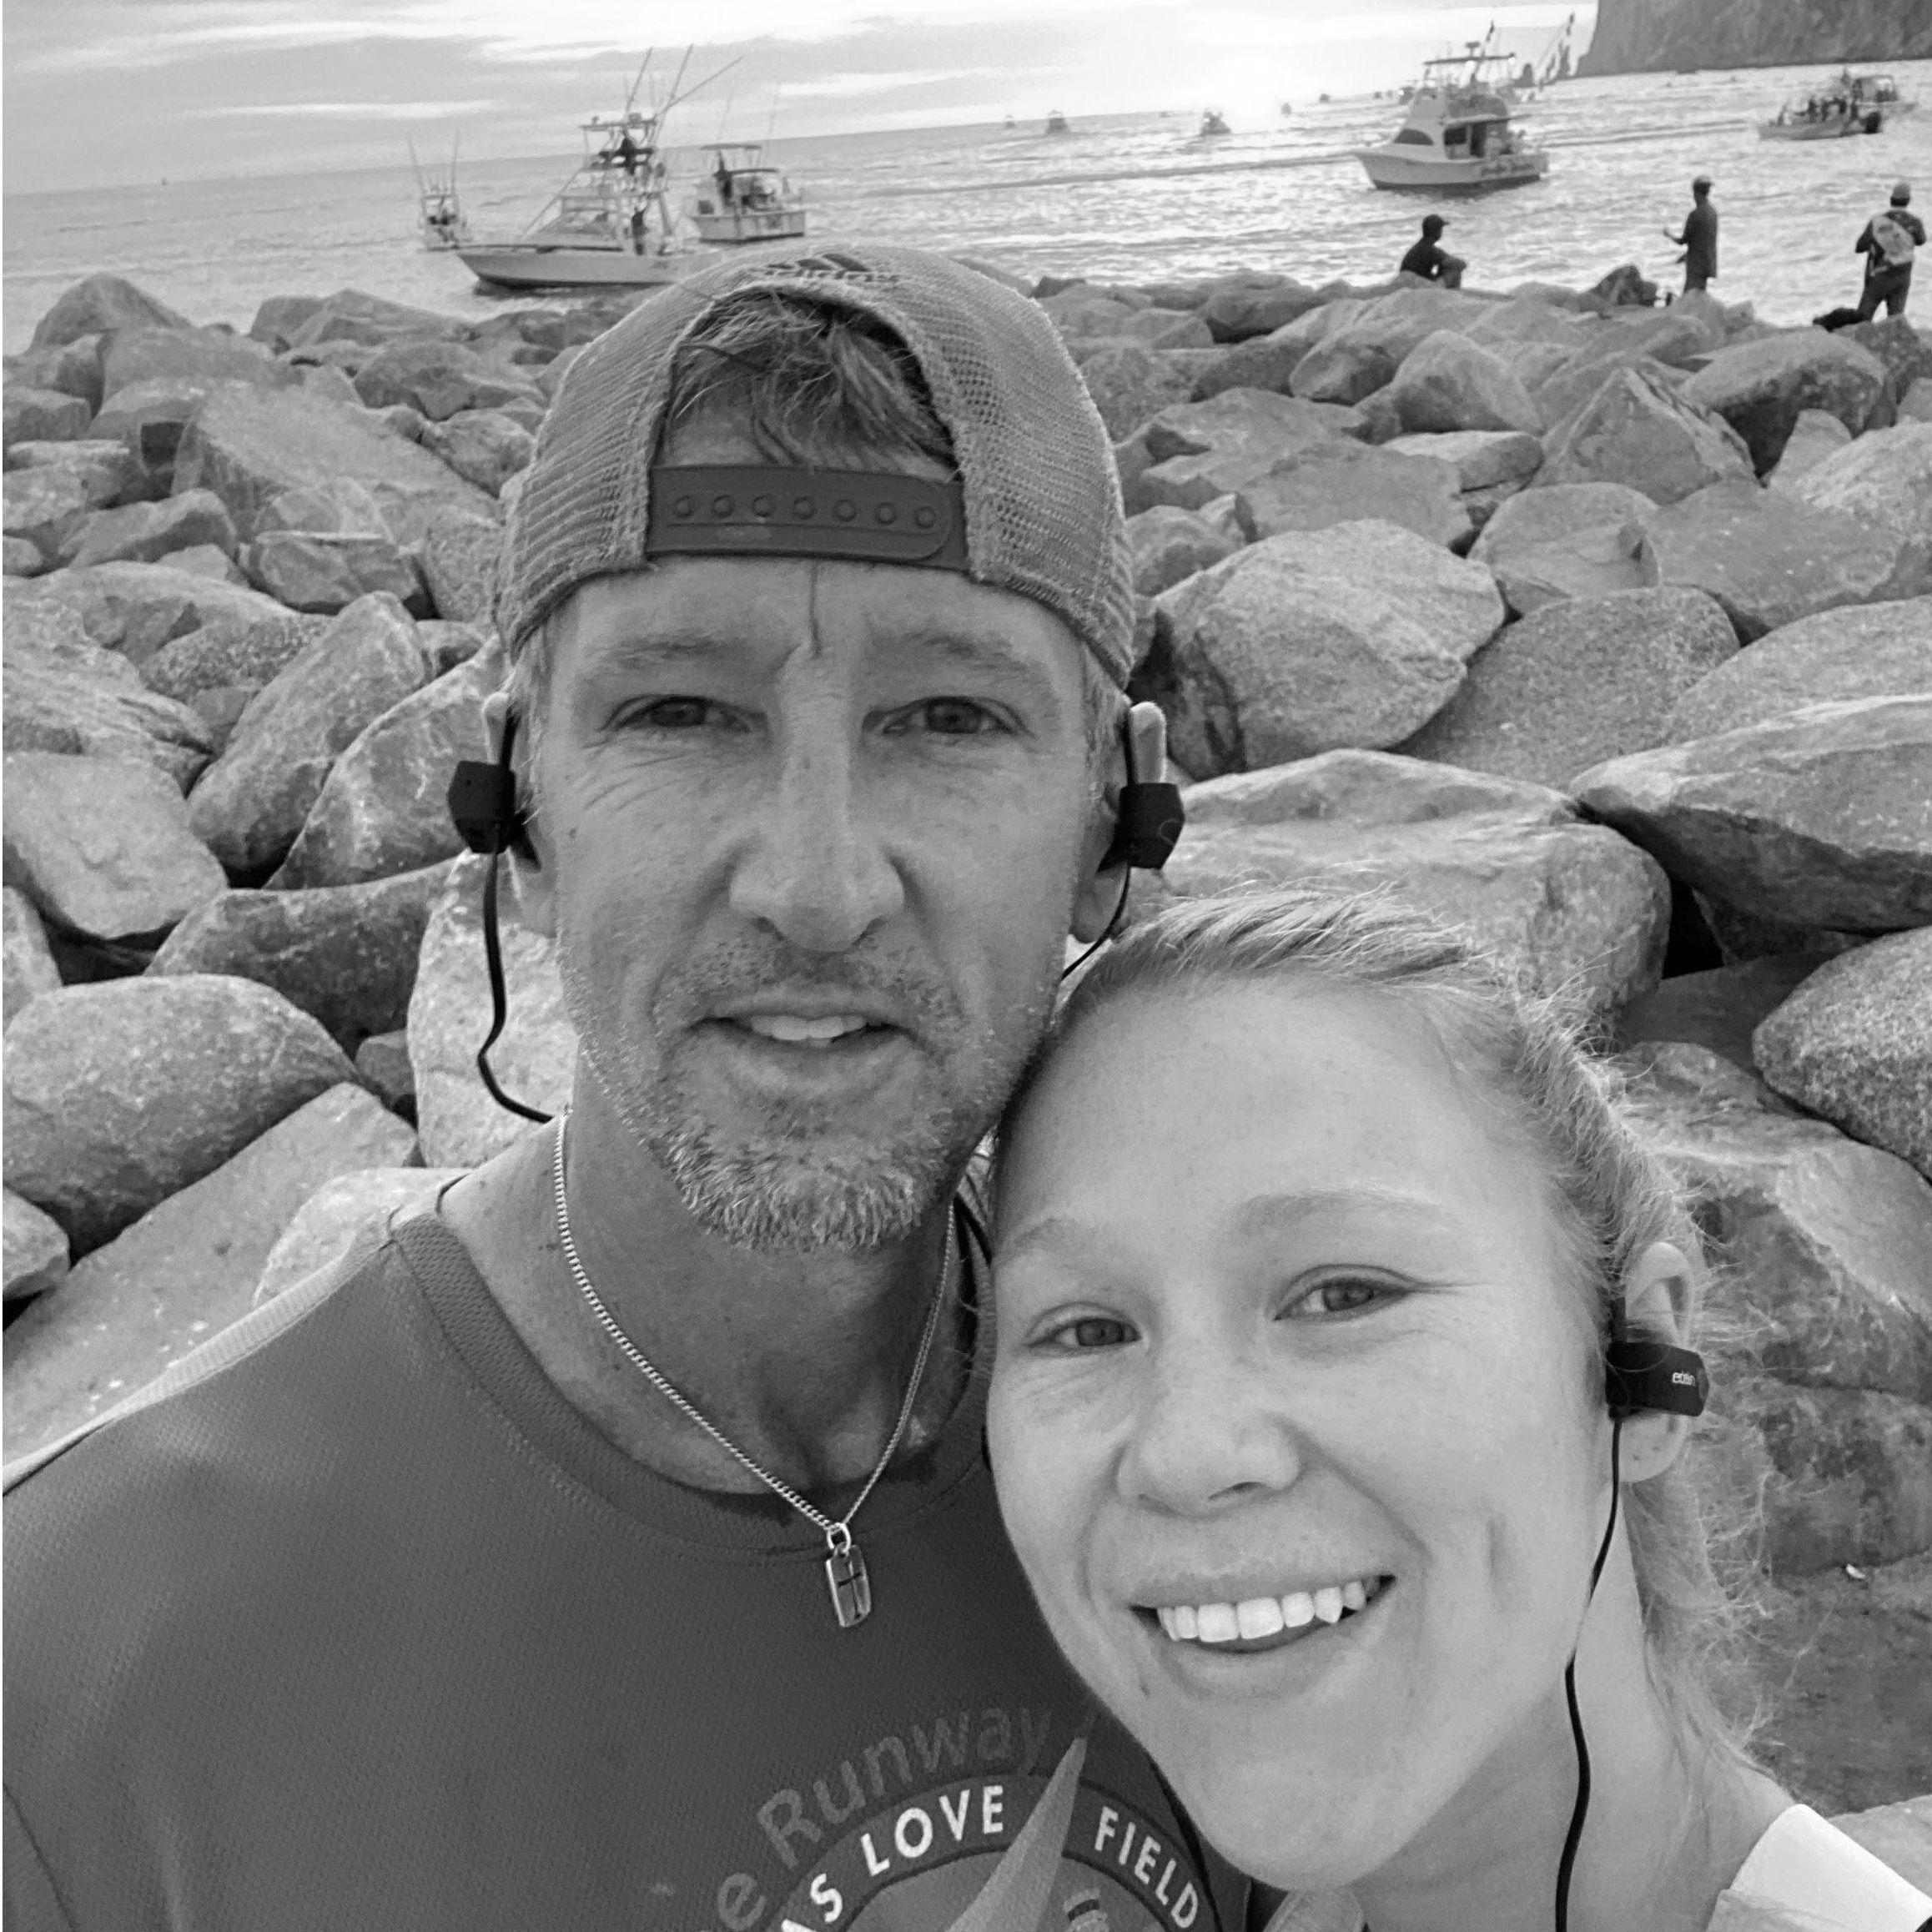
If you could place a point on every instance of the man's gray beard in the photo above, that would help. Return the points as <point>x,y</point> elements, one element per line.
<point>774,1195</point>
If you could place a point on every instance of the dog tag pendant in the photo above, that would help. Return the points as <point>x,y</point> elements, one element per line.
<point>845,1576</point>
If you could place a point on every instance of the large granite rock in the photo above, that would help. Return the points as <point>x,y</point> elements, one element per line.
<point>30,970</point>
<point>1337,480</point>
<point>1363,355</point>
<point>1846,1475</point>
<point>1821,818</point>
<point>1572,908</point>
<point>1352,635</point>
<point>1885,480</point>
<point>146,532</point>
<point>1823,1241</point>
<point>1196,452</point>
<point>1762,387</point>
<point>1447,382</point>
<point>249,445</point>
<point>341,1213</point>
<point>104,470</point>
<point>487,448</point>
<point>101,845</point>
<point>121,1093</point>
<point>1564,383</point>
<point>148,419</point>
<point>384,806</point>
<point>1640,432</point>
<point>135,610</point>
<point>98,303</point>
<point>250,804</point>
<point>1870,651</point>
<point>1770,557</point>
<point>46,506</point>
<point>1268,361</point>
<point>43,416</point>
<point>1580,681</point>
<point>71,368</point>
<point>1905,353</point>
<point>349,316</point>
<point>1718,1010</point>
<point>439,378</point>
<point>185,1271</point>
<point>1129,383</point>
<point>81,700</point>
<point>322,573</point>
<point>347,954</point>
<point>203,355</point>
<point>534,1060</point>
<point>1816,434</point>
<point>1167,544</point>
<point>460,554</point>
<point>1481,459</point>
<point>1569,540</point>
<point>36,1249</point>
<point>1854,1043</point>
<point>1236,315</point>
<point>333,507</point>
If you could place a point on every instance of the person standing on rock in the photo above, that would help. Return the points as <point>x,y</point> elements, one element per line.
<point>1430,260</point>
<point>1890,242</point>
<point>1699,238</point>
<point>611,1545</point>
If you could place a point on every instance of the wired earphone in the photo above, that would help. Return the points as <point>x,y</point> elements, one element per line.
<point>482,799</point>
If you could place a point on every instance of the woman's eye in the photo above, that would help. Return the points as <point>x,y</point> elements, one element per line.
<point>1346,1294</point>
<point>1092,1331</point>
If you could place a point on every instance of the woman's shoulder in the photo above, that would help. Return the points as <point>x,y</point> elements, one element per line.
<point>1806,1875</point>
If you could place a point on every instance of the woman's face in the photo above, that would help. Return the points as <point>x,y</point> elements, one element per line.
<point>1289,1417</point>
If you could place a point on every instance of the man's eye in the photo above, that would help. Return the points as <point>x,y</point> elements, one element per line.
<point>955,718</point>
<point>675,714</point>
<point>1092,1331</point>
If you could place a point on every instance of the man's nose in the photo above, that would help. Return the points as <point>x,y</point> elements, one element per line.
<point>1209,1434</point>
<point>814,868</point>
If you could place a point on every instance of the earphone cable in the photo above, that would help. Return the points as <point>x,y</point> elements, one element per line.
<point>1581,1810</point>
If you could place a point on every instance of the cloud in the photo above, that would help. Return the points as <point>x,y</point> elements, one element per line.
<point>345,110</point>
<point>852,86</point>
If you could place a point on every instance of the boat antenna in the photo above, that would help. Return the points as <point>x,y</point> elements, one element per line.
<point>415,166</point>
<point>631,93</point>
<point>772,120</point>
<point>724,115</point>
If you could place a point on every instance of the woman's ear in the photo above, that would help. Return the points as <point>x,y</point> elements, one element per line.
<point>1144,727</point>
<point>1658,1293</point>
<point>530,876</point>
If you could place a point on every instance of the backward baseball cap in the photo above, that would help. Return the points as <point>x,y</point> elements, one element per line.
<point>1036,467</point>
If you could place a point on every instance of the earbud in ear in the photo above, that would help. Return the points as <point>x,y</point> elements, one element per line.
<point>1148,820</point>
<point>1642,1372</point>
<point>483,804</point>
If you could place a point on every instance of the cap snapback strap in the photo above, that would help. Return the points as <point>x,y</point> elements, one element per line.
<point>864,516</point>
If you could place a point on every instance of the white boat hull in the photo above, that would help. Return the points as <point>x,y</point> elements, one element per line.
<point>1834,130</point>
<point>1393,166</point>
<point>756,225</point>
<point>512,265</point>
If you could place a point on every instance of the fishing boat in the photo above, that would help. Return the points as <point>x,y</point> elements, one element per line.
<point>1056,124</point>
<point>610,226</point>
<point>1879,90</point>
<point>744,200</point>
<point>1211,123</point>
<point>1457,137</point>
<point>439,223</point>
<point>1829,115</point>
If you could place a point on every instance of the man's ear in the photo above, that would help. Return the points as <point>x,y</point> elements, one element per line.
<point>1658,1295</point>
<point>1145,728</point>
<point>530,877</point>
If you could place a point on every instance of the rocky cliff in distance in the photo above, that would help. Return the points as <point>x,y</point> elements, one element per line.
<point>1640,36</point>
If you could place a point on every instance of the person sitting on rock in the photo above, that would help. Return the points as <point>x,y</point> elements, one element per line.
<point>1340,1417</point>
<point>611,1544</point>
<point>1699,238</point>
<point>1889,243</point>
<point>1430,260</point>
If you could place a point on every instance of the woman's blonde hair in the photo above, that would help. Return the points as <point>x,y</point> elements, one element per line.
<point>1611,1197</point>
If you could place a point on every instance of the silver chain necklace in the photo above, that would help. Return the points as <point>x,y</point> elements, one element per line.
<point>845,1571</point>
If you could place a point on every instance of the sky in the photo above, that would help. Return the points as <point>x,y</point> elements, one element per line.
<point>97,92</point>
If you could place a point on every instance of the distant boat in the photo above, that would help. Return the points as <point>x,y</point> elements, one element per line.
<point>440,220</point>
<point>1010,122</point>
<point>1879,90</point>
<point>743,200</point>
<point>1457,137</point>
<point>1287,109</point>
<point>1056,124</point>
<point>1830,115</point>
<point>1212,123</point>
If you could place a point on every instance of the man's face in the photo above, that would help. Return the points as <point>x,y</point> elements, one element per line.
<point>814,835</point>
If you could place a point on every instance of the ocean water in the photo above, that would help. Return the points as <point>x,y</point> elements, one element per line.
<point>1128,198</point>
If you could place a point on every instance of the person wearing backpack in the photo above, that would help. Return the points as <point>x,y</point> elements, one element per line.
<point>1888,244</point>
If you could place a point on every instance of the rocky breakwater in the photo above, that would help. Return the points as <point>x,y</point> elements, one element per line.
<point>248,595</point>
<point>1604,630</point>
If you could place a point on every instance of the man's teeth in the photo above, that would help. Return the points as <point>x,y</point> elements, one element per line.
<point>798,1032</point>
<point>1266,1616</point>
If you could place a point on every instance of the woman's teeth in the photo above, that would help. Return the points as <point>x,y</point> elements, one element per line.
<point>798,1031</point>
<point>1258,1616</point>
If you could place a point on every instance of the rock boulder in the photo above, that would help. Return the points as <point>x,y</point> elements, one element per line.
<point>99,304</point>
<point>1762,387</point>
<point>322,574</point>
<point>36,1249</point>
<point>1639,430</point>
<point>43,416</point>
<point>1568,540</point>
<point>1337,480</point>
<point>487,448</point>
<point>30,970</point>
<point>147,532</point>
<point>1168,543</point>
<point>1448,382</point>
